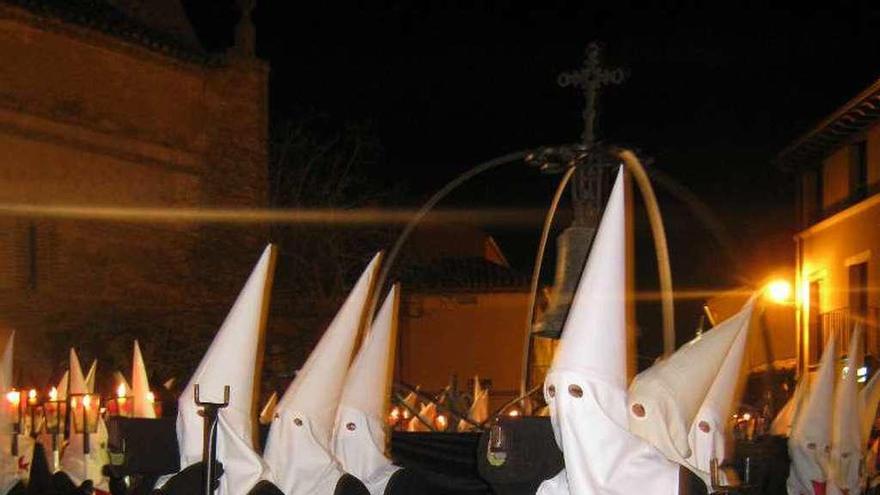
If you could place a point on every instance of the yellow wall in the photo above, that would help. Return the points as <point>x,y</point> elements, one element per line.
<point>831,246</point>
<point>466,334</point>
<point>835,177</point>
<point>779,325</point>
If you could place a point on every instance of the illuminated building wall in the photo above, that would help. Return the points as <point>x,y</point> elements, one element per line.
<point>91,114</point>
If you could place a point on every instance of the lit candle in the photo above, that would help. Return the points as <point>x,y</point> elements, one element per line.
<point>32,397</point>
<point>87,401</point>
<point>53,394</point>
<point>513,413</point>
<point>13,397</point>
<point>122,400</point>
<point>441,423</point>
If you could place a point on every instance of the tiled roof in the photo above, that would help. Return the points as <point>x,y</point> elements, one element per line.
<point>855,116</point>
<point>159,25</point>
<point>460,274</point>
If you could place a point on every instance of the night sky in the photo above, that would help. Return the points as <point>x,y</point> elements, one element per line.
<point>712,96</point>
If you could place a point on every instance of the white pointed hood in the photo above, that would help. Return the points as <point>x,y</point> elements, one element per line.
<point>846,436</point>
<point>810,442</point>
<point>298,446</point>
<point>784,420</point>
<point>78,465</point>
<point>77,383</point>
<point>479,410</point>
<point>62,385</point>
<point>119,379</point>
<point>11,471</point>
<point>90,377</point>
<point>142,406</point>
<point>230,360</point>
<point>268,411</point>
<point>359,437</point>
<point>670,392</point>
<point>707,436</point>
<point>586,384</point>
<point>869,398</point>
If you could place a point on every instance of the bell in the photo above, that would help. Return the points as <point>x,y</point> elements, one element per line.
<point>572,247</point>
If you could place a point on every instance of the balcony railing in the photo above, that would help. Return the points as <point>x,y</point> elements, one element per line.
<point>839,324</point>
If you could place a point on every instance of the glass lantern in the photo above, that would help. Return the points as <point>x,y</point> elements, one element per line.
<point>55,412</point>
<point>121,404</point>
<point>85,409</point>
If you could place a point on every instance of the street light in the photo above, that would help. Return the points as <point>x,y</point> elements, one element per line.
<point>778,291</point>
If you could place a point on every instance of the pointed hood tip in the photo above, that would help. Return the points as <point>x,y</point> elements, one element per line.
<point>317,388</point>
<point>599,301</point>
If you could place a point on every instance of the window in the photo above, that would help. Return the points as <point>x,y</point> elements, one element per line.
<point>858,297</point>
<point>858,170</point>
<point>815,335</point>
<point>811,197</point>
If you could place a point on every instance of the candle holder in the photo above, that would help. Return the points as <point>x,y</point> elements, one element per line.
<point>122,404</point>
<point>85,409</point>
<point>55,413</point>
<point>36,417</point>
<point>157,404</point>
<point>13,404</point>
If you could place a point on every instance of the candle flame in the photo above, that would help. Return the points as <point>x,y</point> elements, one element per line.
<point>441,422</point>
<point>53,394</point>
<point>14,397</point>
<point>151,397</point>
<point>120,390</point>
<point>513,413</point>
<point>87,401</point>
<point>32,395</point>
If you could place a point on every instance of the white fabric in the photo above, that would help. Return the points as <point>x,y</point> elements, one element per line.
<point>810,442</point>
<point>716,408</point>
<point>119,379</point>
<point>10,466</point>
<point>359,437</point>
<point>869,398</point>
<point>846,436</point>
<point>784,420</point>
<point>479,410</point>
<point>673,389</point>
<point>230,360</point>
<point>298,447</point>
<point>268,411</point>
<point>62,385</point>
<point>74,462</point>
<point>90,376</point>
<point>142,407</point>
<point>428,414</point>
<point>588,381</point>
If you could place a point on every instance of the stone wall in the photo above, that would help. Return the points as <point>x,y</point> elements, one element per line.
<point>90,120</point>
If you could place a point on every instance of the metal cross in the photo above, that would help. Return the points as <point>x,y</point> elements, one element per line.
<point>587,194</point>
<point>590,78</point>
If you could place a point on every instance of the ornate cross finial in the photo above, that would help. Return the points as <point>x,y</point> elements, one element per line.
<point>590,78</point>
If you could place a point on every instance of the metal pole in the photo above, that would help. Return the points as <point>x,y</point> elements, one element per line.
<point>210,412</point>
<point>536,278</point>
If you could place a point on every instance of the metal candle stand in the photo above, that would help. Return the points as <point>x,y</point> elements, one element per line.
<point>209,442</point>
<point>715,479</point>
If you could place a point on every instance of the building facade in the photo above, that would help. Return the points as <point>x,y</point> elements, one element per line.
<point>462,314</point>
<point>838,212</point>
<point>114,104</point>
